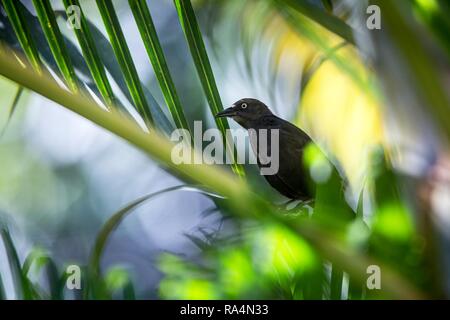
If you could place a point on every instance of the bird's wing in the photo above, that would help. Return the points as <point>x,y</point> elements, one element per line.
<point>291,178</point>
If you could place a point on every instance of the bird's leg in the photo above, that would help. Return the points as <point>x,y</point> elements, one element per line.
<point>297,203</point>
<point>286,205</point>
<point>296,206</point>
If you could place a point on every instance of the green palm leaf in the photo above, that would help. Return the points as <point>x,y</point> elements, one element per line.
<point>16,17</point>
<point>92,57</point>
<point>56,42</point>
<point>12,109</point>
<point>198,51</point>
<point>21,283</point>
<point>124,58</point>
<point>149,36</point>
<point>322,17</point>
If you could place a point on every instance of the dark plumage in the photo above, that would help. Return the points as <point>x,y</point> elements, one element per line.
<point>291,180</point>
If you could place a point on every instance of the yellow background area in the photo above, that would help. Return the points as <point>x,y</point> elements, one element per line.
<point>336,112</point>
<point>339,106</point>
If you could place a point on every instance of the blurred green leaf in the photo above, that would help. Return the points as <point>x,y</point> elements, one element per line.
<point>20,280</point>
<point>117,278</point>
<point>279,252</point>
<point>393,239</point>
<point>188,289</point>
<point>199,242</point>
<point>422,71</point>
<point>40,259</point>
<point>37,257</point>
<point>237,275</point>
<point>2,289</point>
<point>328,5</point>
<point>12,108</point>
<point>435,15</point>
<point>129,293</point>
<point>55,284</point>
<point>393,221</point>
<point>330,206</point>
<point>304,27</point>
<point>337,278</point>
<point>323,18</point>
<point>355,290</point>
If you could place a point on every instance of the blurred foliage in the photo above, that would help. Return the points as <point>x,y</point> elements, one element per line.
<point>270,263</point>
<point>318,250</point>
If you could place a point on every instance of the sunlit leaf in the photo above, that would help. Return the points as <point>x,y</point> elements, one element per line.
<point>18,20</point>
<point>423,72</point>
<point>393,221</point>
<point>188,289</point>
<point>117,278</point>
<point>56,42</point>
<point>278,252</point>
<point>237,275</point>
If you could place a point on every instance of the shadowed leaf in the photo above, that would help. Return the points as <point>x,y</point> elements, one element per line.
<point>198,51</point>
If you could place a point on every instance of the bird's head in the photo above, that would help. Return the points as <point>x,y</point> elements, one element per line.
<point>246,112</point>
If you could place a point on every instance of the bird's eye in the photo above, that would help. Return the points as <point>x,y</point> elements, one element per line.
<point>244,105</point>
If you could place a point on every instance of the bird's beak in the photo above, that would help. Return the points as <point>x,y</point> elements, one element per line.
<point>229,112</point>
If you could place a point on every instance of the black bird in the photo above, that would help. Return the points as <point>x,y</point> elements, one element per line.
<point>292,179</point>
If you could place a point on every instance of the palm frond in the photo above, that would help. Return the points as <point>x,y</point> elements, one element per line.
<point>415,56</point>
<point>13,108</point>
<point>323,18</point>
<point>18,21</point>
<point>56,42</point>
<point>20,280</point>
<point>198,51</point>
<point>126,63</point>
<point>92,57</point>
<point>149,36</point>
